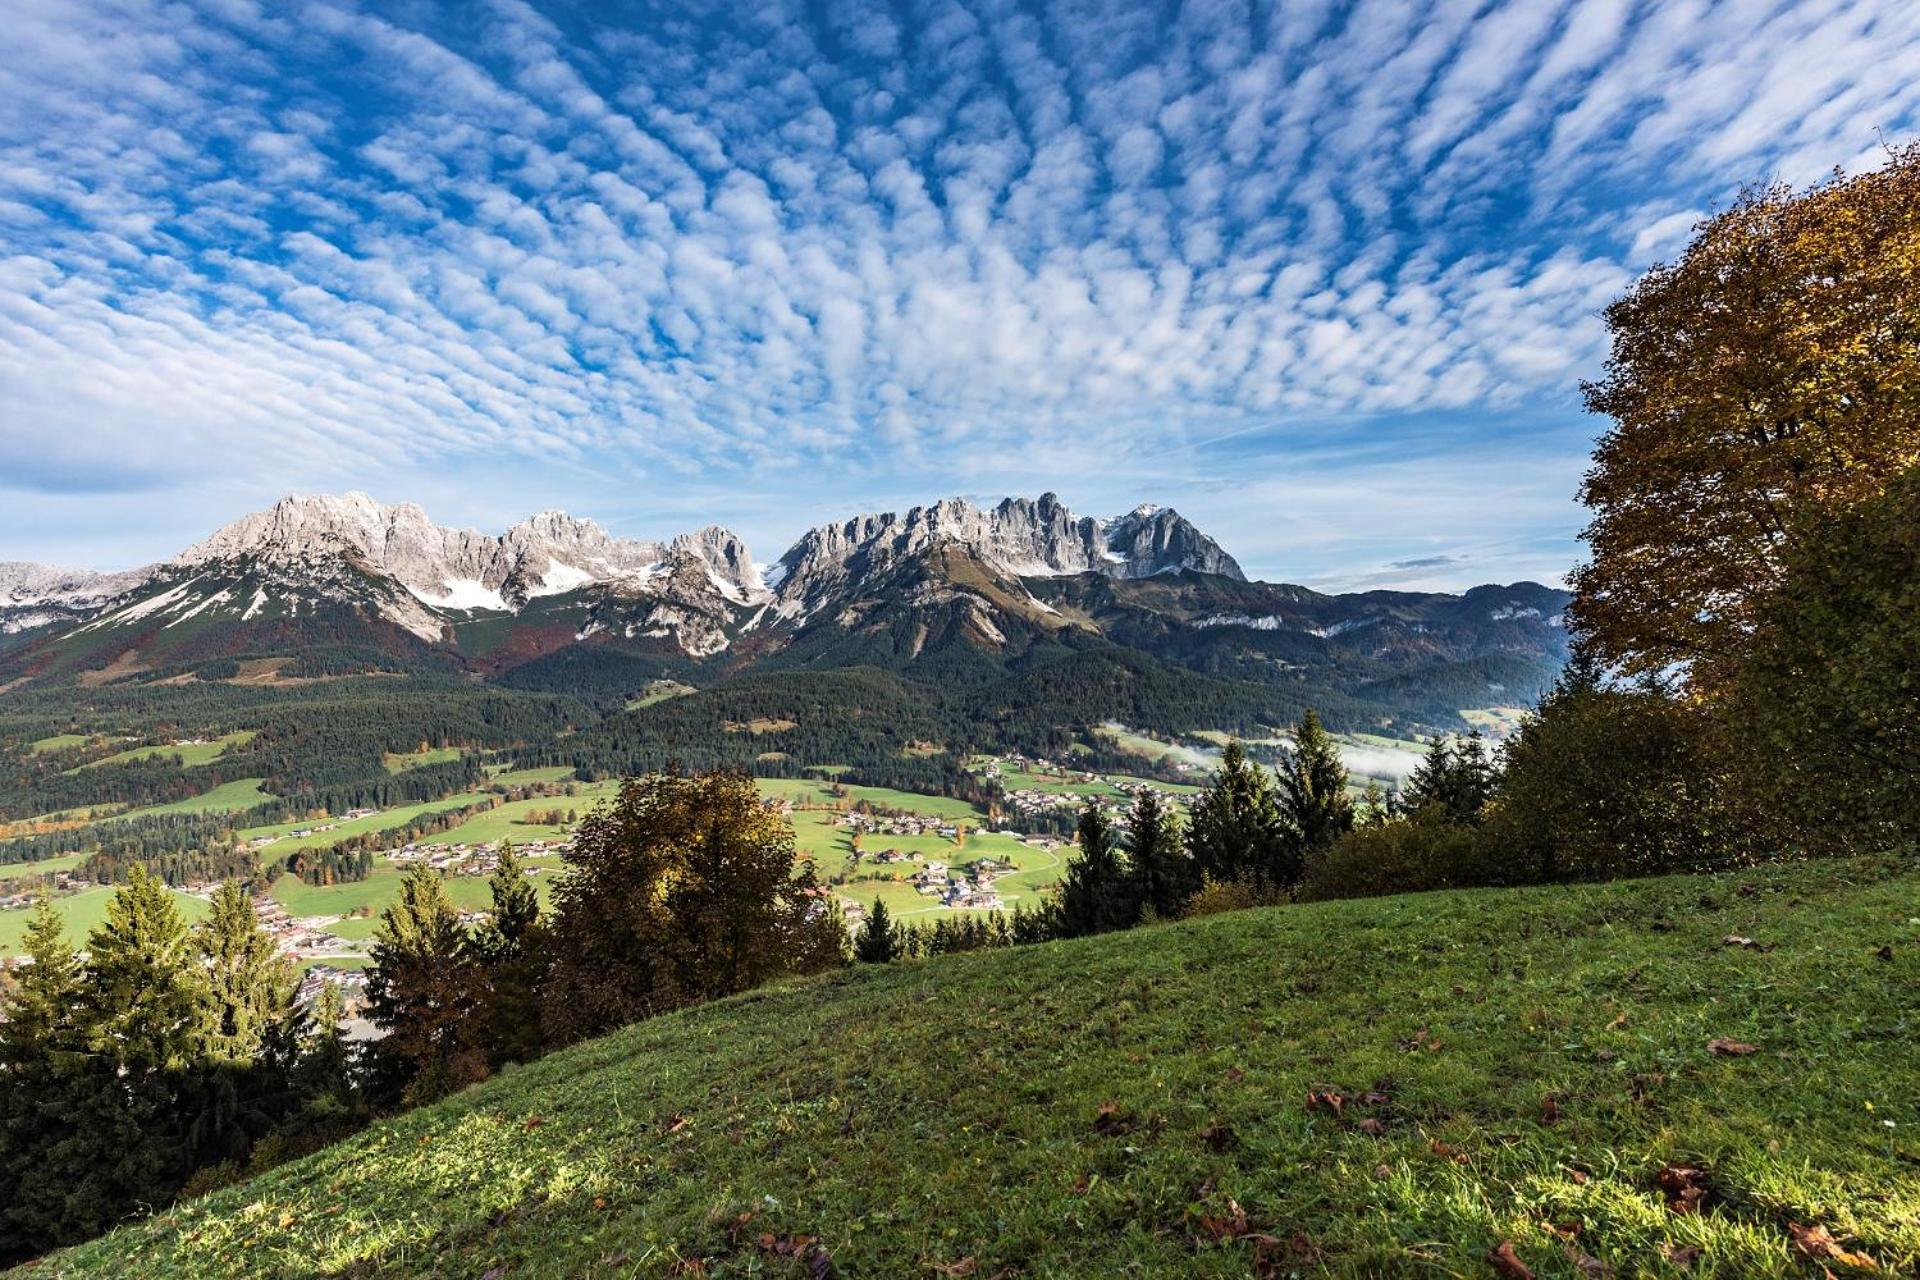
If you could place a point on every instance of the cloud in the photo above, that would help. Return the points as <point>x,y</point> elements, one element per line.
<point>831,250</point>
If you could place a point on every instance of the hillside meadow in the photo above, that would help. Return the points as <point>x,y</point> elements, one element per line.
<point>1688,1076</point>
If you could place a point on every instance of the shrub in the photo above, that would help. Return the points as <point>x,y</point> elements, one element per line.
<point>1398,857</point>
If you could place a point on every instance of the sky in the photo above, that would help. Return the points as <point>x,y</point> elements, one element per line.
<point>1323,275</point>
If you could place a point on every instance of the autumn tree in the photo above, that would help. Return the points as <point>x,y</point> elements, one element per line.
<point>1827,705</point>
<point>680,889</point>
<point>1775,365</point>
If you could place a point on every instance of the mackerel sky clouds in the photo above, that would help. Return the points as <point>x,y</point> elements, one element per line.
<point>1324,275</point>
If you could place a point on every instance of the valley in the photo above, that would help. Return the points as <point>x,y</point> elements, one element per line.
<point>333,688</point>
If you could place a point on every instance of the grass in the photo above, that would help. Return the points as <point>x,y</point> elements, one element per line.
<point>229,797</point>
<point>22,870</point>
<point>57,742</point>
<point>81,912</point>
<point>658,691</point>
<point>1134,1105</point>
<point>190,753</point>
<point>526,777</point>
<point>379,889</point>
<point>400,762</point>
<point>393,819</point>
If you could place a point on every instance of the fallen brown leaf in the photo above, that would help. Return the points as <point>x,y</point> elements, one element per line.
<point>1681,1255</point>
<point>1549,1110</point>
<point>1585,1263</point>
<point>532,1123</point>
<point>1111,1122</point>
<point>1685,1187</point>
<point>1371,1127</point>
<point>1730,1048</point>
<point>1504,1261</point>
<point>964,1267</point>
<point>1327,1100</point>
<point>1228,1225</point>
<point>1817,1242</point>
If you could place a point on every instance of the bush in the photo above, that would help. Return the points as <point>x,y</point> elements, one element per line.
<point>1399,857</point>
<point>1827,699</point>
<point>1605,781</point>
<point>1217,896</point>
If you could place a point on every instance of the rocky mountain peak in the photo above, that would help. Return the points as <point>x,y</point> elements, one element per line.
<point>1018,537</point>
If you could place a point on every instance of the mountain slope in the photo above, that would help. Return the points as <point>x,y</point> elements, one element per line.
<point>38,595</point>
<point>1133,1104</point>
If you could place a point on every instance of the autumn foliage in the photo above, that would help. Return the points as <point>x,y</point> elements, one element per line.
<point>1774,366</point>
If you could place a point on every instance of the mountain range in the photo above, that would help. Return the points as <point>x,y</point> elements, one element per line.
<point>951,591</point>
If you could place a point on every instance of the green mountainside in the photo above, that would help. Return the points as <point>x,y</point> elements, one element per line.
<point>1689,1076</point>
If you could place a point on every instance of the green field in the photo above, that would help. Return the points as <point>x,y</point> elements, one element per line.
<point>506,821</point>
<point>399,762</point>
<point>229,797</point>
<point>659,691</point>
<point>379,889</point>
<point>527,777</point>
<point>21,870</point>
<point>189,754</point>
<point>386,820</point>
<point>1137,1105</point>
<point>57,742</point>
<point>81,912</point>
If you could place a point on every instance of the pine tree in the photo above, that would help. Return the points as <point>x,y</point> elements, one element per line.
<point>1234,831</point>
<point>1097,894</point>
<point>422,992</point>
<point>326,1063</point>
<point>1315,809</point>
<point>509,951</point>
<point>148,1000</point>
<point>1163,873</point>
<point>40,1016</point>
<point>1454,782</point>
<point>878,943</point>
<point>250,986</point>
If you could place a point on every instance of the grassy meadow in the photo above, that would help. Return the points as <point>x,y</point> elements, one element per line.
<point>1592,1076</point>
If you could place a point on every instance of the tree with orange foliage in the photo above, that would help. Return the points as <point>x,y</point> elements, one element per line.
<point>1774,366</point>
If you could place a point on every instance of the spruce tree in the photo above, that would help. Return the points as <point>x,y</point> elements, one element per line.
<point>877,944</point>
<point>250,985</point>
<point>516,904</point>
<point>421,991</point>
<point>1097,894</point>
<point>149,1005</point>
<point>508,949</point>
<point>1234,831</point>
<point>1315,809</point>
<point>1163,873</point>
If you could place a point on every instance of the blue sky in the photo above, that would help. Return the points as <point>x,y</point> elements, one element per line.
<point>1323,275</point>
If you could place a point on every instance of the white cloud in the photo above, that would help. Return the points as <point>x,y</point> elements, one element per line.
<point>855,250</point>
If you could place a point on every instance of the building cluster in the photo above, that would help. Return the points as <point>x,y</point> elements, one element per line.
<point>906,824</point>
<point>473,859</point>
<point>953,888</point>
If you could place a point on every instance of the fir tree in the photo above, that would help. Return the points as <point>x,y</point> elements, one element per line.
<point>516,906</point>
<point>1097,894</point>
<point>250,986</point>
<point>148,1001</point>
<point>1163,873</point>
<point>421,992</point>
<point>878,943</point>
<point>1234,832</point>
<point>1315,809</point>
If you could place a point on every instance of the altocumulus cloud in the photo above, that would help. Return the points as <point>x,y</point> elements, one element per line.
<point>856,249</point>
